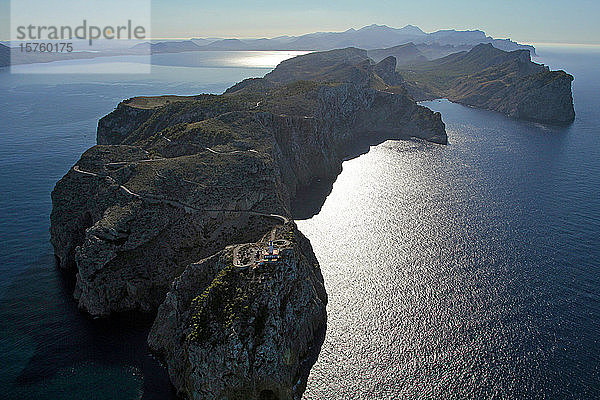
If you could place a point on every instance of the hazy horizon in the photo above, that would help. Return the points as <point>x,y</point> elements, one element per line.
<point>216,37</point>
<point>530,21</point>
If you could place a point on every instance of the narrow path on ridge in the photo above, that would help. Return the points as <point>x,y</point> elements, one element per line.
<point>176,203</point>
<point>187,207</point>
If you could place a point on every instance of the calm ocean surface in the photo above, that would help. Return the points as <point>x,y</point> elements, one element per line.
<point>463,271</point>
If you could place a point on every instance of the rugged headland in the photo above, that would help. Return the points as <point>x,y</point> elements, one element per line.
<point>253,332</point>
<point>170,212</point>
<point>489,78</point>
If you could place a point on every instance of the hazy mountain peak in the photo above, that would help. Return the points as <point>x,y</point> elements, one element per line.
<point>481,47</point>
<point>412,29</point>
<point>406,30</point>
<point>375,27</point>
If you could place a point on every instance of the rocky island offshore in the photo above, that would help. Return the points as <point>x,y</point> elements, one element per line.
<point>170,212</point>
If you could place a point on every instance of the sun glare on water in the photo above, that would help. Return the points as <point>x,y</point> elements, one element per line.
<point>264,59</point>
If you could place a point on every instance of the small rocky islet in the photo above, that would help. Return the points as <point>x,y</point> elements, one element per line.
<point>173,209</point>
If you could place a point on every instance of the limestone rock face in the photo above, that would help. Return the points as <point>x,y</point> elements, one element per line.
<point>350,113</point>
<point>122,122</point>
<point>386,69</point>
<point>313,147</point>
<point>549,99</point>
<point>231,333</point>
<point>543,96</point>
<point>492,79</point>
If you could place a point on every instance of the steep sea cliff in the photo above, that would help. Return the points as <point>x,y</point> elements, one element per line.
<point>492,79</point>
<point>150,214</point>
<point>171,211</point>
<point>413,242</point>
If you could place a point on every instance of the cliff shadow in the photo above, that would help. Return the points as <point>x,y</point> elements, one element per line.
<point>310,198</point>
<point>312,356</point>
<point>64,345</point>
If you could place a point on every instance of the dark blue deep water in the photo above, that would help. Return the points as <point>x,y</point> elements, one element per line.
<point>463,271</point>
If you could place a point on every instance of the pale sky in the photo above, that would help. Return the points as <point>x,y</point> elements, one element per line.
<point>553,21</point>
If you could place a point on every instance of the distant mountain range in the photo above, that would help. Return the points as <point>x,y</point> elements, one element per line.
<point>408,45</point>
<point>430,45</point>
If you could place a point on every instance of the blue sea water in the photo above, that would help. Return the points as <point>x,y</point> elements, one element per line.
<point>463,271</point>
<point>467,271</point>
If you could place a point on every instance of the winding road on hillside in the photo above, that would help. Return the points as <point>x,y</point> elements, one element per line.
<point>188,208</point>
<point>176,203</point>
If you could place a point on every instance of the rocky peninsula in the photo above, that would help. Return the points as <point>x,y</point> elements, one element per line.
<point>489,78</point>
<point>169,213</point>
